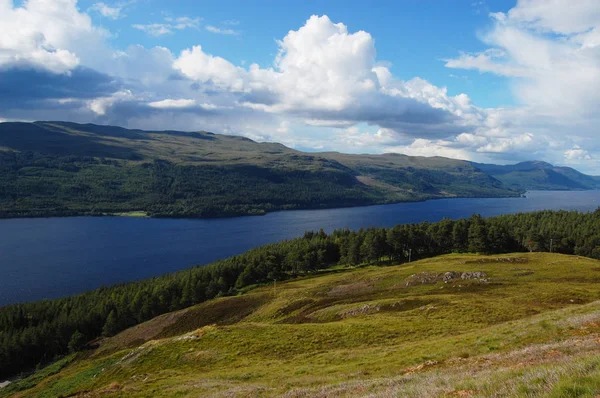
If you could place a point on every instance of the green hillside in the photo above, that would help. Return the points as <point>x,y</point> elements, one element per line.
<point>537,175</point>
<point>59,168</point>
<point>524,324</point>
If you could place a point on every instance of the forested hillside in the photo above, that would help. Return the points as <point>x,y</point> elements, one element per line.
<point>35,333</point>
<point>60,169</point>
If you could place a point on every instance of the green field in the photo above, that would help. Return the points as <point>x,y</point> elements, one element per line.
<point>525,324</point>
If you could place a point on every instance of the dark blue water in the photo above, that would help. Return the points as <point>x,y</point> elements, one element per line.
<point>53,257</point>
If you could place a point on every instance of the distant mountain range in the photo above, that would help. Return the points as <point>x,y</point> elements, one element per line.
<point>62,168</point>
<point>538,175</point>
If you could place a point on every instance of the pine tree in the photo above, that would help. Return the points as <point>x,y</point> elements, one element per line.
<point>111,326</point>
<point>478,242</point>
<point>77,341</point>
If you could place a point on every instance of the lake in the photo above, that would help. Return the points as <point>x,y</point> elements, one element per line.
<point>54,257</point>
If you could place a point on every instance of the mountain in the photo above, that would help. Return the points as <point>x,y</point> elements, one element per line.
<point>523,324</point>
<point>540,176</point>
<point>62,168</point>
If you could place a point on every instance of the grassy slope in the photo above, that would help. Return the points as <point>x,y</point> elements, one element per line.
<point>531,330</point>
<point>292,179</point>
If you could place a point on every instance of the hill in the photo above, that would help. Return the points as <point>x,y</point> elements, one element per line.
<point>539,175</point>
<point>60,168</point>
<point>524,324</point>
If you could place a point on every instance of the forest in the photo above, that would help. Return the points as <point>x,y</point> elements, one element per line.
<point>34,184</point>
<point>33,334</point>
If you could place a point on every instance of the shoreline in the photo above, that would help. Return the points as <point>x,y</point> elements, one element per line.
<point>145,214</point>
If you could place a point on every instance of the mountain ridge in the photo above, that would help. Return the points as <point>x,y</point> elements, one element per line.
<point>540,175</point>
<point>65,168</point>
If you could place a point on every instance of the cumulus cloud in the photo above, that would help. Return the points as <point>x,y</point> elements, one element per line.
<point>205,68</point>
<point>326,87</point>
<point>44,34</point>
<point>576,153</point>
<point>329,76</point>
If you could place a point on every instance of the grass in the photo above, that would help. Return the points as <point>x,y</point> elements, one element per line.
<point>531,330</point>
<point>138,213</point>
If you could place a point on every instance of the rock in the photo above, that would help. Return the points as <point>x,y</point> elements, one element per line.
<point>473,275</point>
<point>449,276</point>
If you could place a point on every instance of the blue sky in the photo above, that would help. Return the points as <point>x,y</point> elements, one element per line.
<point>484,80</point>
<point>413,36</point>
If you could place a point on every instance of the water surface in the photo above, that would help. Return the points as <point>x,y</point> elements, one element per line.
<point>53,257</point>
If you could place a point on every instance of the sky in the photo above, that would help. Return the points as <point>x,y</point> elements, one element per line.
<point>483,80</point>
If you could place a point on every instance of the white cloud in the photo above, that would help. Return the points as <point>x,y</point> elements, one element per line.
<point>102,104</point>
<point>154,29</point>
<point>206,68</point>
<point>168,27</point>
<point>486,61</point>
<point>47,35</point>
<point>329,76</point>
<point>107,11</point>
<point>576,153</point>
<point>425,147</point>
<point>182,23</point>
<point>551,47</point>
<point>559,16</point>
<point>221,31</point>
<point>173,103</point>
<point>354,137</point>
<point>549,50</point>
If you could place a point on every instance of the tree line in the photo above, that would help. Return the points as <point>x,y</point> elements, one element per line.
<point>36,333</point>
